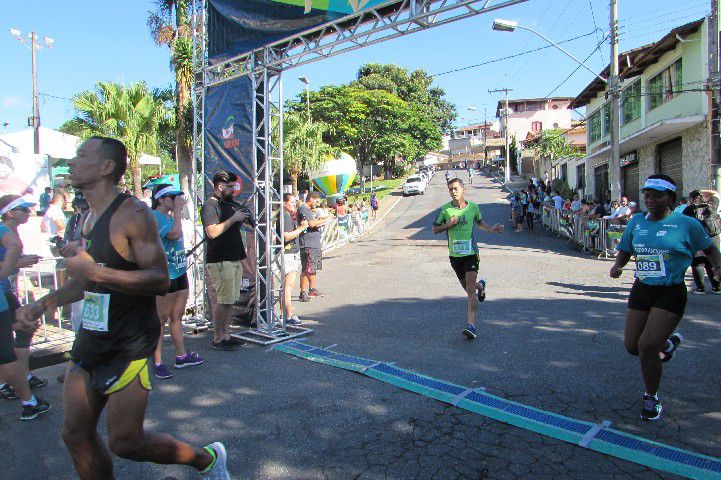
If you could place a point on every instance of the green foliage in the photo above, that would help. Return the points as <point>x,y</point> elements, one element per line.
<point>133,114</point>
<point>513,155</point>
<point>562,188</point>
<point>552,144</point>
<point>303,145</point>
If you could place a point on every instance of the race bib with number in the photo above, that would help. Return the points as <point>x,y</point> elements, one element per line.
<point>462,247</point>
<point>650,266</point>
<point>180,260</point>
<point>95,311</point>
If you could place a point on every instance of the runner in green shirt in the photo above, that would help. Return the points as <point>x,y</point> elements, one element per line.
<point>457,218</point>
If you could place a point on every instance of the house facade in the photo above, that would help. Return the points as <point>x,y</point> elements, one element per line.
<point>532,115</point>
<point>664,115</point>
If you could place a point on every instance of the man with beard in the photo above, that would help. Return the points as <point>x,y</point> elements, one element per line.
<point>222,218</point>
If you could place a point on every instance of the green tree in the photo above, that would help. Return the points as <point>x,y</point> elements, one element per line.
<point>133,114</point>
<point>170,25</point>
<point>373,125</point>
<point>553,144</point>
<point>303,145</point>
<point>413,87</point>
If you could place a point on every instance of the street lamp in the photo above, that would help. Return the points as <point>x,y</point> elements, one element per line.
<point>34,45</point>
<point>307,94</point>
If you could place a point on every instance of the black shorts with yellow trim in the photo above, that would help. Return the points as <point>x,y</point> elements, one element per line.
<point>109,378</point>
<point>465,264</point>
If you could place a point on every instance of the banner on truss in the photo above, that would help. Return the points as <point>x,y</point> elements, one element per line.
<point>236,27</point>
<point>229,134</point>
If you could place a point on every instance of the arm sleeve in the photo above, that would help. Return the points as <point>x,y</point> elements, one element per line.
<point>440,217</point>
<point>698,239</point>
<point>209,214</point>
<point>626,243</point>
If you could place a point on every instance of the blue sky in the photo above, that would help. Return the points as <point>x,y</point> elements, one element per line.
<point>109,41</point>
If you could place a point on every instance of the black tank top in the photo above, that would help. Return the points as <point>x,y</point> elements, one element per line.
<point>133,326</point>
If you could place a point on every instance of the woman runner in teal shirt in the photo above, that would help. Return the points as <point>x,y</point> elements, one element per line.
<point>664,243</point>
<point>168,203</point>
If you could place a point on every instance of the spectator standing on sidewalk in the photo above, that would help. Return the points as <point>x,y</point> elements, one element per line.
<point>44,201</point>
<point>311,254</point>
<point>374,206</point>
<point>701,264</point>
<point>292,229</point>
<point>557,201</point>
<point>222,218</point>
<point>54,222</point>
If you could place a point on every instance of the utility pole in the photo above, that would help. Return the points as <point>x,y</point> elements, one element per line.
<point>715,96</point>
<point>485,137</point>
<point>35,121</point>
<point>507,173</point>
<point>614,167</point>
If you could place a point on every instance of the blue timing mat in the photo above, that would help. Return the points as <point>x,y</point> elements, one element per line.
<point>598,437</point>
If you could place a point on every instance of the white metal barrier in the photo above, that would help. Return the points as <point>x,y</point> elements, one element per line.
<point>598,235</point>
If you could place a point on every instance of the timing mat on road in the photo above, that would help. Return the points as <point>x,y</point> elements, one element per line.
<point>598,437</point>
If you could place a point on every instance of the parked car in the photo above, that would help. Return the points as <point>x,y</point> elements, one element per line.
<point>414,184</point>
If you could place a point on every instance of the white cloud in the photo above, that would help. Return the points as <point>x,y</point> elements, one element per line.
<point>12,102</point>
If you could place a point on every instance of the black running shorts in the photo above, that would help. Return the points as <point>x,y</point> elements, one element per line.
<point>178,284</point>
<point>22,339</point>
<point>670,298</point>
<point>462,265</point>
<point>7,350</point>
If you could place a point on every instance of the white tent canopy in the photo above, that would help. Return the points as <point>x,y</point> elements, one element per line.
<point>52,142</point>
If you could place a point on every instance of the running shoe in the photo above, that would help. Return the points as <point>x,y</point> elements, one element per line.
<point>716,290</point>
<point>304,297</point>
<point>481,290</point>
<point>675,340</point>
<point>161,371</point>
<point>294,321</point>
<point>469,331</point>
<point>699,290</point>
<point>314,293</point>
<point>220,468</point>
<point>30,412</point>
<point>223,345</point>
<point>188,360</point>
<point>36,382</point>
<point>651,408</point>
<point>7,392</point>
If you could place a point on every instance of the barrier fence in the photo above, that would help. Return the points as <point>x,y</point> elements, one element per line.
<point>596,235</point>
<point>344,229</point>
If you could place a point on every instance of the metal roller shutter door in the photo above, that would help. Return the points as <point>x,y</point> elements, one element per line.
<point>670,154</point>
<point>630,182</point>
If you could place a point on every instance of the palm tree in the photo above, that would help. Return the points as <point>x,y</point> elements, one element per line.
<point>170,25</point>
<point>303,146</point>
<point>133,114</point>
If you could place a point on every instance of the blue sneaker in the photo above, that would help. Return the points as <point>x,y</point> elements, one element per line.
<point>188,360</point>
<point>652,408</point>
<point>481,290</point>
<point>161,371</point>
<point>469,331</point>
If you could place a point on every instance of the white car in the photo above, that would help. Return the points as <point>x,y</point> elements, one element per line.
<point>414,184</point>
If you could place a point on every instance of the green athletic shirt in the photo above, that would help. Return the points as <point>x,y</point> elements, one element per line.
<point>462,236</point>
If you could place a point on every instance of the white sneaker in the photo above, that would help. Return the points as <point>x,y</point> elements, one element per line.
<point>219,470</point>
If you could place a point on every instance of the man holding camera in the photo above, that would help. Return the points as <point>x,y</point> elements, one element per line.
<point>222,218</point>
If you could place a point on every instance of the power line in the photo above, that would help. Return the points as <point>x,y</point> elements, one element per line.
<point>519,54</point>
<point>595,26</point>
<point>54,96</point>
<point>577,67</point>
<point>695,3</point>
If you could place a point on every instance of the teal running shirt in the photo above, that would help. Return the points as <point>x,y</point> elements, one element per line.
<point>174,249</point>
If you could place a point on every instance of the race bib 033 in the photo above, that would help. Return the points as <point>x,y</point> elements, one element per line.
<point>95,311</point>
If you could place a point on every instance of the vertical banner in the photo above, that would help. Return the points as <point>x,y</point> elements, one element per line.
<point>229,135</point>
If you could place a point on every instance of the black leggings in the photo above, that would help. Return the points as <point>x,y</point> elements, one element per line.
<point>698,266</point>
<point>529,220</point>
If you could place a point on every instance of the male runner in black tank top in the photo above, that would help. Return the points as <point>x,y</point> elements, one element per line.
<point>117,274</point>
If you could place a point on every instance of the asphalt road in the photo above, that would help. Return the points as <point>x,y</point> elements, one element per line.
<point>551,336</point>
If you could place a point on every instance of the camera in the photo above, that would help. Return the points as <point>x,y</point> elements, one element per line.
<point>58,241</point>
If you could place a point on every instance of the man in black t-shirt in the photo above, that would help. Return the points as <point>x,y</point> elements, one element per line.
<point>224,251</point>
<point>311,255</point>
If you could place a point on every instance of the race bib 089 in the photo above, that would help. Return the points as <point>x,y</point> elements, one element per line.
<point>650,266</point>
<point>95,311</point>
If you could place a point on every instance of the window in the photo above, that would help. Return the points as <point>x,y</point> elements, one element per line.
<point>564,172</point>
<point>631,103</point>
<point>666,85</point>
<point>534,106</point>
<point>517,107</point>
<point>594,127</point>
<point>581,176</point>
<point>606,129</point>
<point>536,127</point>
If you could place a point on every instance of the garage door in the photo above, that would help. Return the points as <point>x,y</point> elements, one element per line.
<point>670,163</point>
<point>630,181</point>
